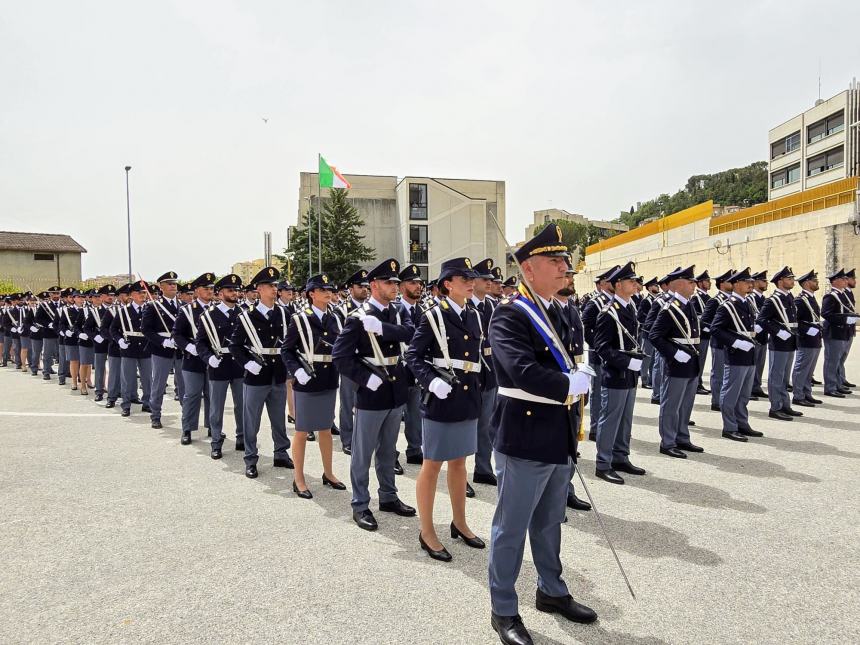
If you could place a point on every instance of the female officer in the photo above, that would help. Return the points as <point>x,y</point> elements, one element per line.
<point>445,356</point>
<point>68,319</point>
<point>86,351</point>
<point>307,354</point>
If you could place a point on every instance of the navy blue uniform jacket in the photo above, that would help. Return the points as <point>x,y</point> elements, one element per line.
<point>725,330</point>
<point>323,336</point>
<point>666,328</point>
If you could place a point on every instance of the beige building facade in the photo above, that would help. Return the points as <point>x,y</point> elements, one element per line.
<point>37,261</point>
<point>247,270</point>
<point>542,217</point>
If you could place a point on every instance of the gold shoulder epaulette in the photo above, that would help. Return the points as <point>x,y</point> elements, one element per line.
<point>309,310</point>
<point>444,304</point>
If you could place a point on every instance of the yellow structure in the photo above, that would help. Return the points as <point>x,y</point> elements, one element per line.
<point>247,270</point>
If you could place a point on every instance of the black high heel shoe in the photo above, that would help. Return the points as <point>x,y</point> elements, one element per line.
<point>442,554</point>
<point>335,485</point>
<point>304,494</point>
<point>474,542</point>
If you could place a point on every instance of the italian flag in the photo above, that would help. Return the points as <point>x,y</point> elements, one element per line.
<point>330,177</point>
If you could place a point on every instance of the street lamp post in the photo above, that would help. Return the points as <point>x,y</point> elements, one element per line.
<point>128,220</point>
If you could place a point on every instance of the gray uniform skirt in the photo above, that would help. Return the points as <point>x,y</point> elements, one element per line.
<point>314,410</point>
<point>442,441</point>
<point>72,352</point>
<point>85,354</point>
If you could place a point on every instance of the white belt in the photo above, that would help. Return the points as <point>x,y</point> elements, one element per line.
<point>577,358</point>
<point>488,351</point>
<point>164,334</point>
<point>134,333</point>
<point>388,360</point>
<point>456,363</point>
<point>685,341</point>
<point>319,358</point>
<point>792,325</point>
<point>224,350</point>
<point>268,351</point>
<point>748,334</point>
<point>516,393</point>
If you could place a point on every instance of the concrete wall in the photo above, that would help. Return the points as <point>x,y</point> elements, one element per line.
<point>19,268</point>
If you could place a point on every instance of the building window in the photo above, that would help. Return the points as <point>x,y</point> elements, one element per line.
<point>418,244</point>
<point>418,201</point>
<point>835,123</point>
<point>49,257</point>
<point>424,273</point>
<point>784,146</point>
<point>824,128</point>
<point>785,176</point>
<point>825,161</point>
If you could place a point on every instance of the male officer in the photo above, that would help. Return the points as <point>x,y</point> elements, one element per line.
<point>93,328</point>
<point>411,286</point>
<point>357,284</point>
<point>601,298</point>
<point>839,324</point>
<point>700,301</point>
<point>46,319</point>
<point>778,317</point>
<point>724,290</point>
<point>808,340</point>
<point>733,326</point>
<point>616,334</point>
<point>495,289</point>
<point>114,353</point>
<point>214,329</point>
<point>509,286</point>
<point>185,294</point>
<point>136,357</point>
<point>657,366</point>
<point>536,438</point>
<point>851,281</point>
<point>675,334</point>
<point>193,369</point>
<point>157,325</point>
<point>255,344</point>
<point>756,299</point>
<point>367,351</point>
<point>287,300</point>
<point>642,311</point>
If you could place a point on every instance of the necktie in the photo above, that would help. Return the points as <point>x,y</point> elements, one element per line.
<point>463,316</point>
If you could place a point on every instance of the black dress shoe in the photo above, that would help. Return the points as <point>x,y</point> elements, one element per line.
<point>186,439</point>
<point>215,453</point>
<point>628,468</point>
<point>283,462</point>
<point>312,436</point>
<point>804,403</point>
<point>734,436</point>
<point>365,520</point>
<point>673,452</point>
<point>208,432</point>
<point>251,472</point>
<point>335,430</point>
<point>689,447</point>
<point>815,382</point>
<point>511,630</point>
<point>566,606</point>
<point>701,390</point>
<point>137,401</point>
<point>792,413</point>
<point>715,407</point>
<point>398,469</point>
<point>470,492</point>
<point>485,478</point>
<point>99,397</point>
<point>335,485</point>
<point>240,446</point>
<point>759,393</point>
<point>813,400</point>
<point>347,450</point>
<point>780,415</point>
<point>844,390</point>
<point>415,459</point>
<point>577,504</point>
<point>835,395</point>
<point>474,542</point>
<point>691,423</point>
<point>609,475</point>
<point>749,432</point>
<point>291,419</point>
<point>304,494</point>
<point>655,400</point>
<point>145,408</point>
<point>847,384</point>
<point>592,436</point>
<point>753,398</point>
<point>442,554</point>
<point>126,413</point>
<point>398,507</point>
<point>110,404</point>
<point>789,388</point>
<point>156,424</point>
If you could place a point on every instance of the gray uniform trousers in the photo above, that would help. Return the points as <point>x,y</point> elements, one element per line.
<point>778,373</point>
<point>615,426</point>
<point>130,368</point>
<point>412,422</point>
<point>62,364</point>
<point>656,375</point>
<point>835,352</point>
<point>760,356</point>
<point>7,348</point>
<point>486,433</point>
<point>532,498</point>
<point>676,405</point>
<point>703,358</point>
<point>160,373</point>
<point>375,433</point>
<point>595,398</point>
<point>842,378</point>
<point>34,355</point>
<point>718,363</point>
<point>274,397</point>
<point>195,389</point>
<point>17,344</point>
<point>217,398</point>
<point>801,374</point>
<point>735,396</point>
<point>114,384</point>
<point>99,362</point>
<point>49,355</point>
<point>346,417</point>
<point>649,351</point>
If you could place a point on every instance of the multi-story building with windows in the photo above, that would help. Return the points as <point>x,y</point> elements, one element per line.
<point>542,217</point>
<point>423,220</point>
<point>816,147</point>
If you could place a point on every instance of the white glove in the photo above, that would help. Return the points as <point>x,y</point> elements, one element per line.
<point>373,383</point>
<point>302,377</point>
<point>372,325</point>
<point>783,335</point>
<point>635,364</point>
<point>743,345</point>
<point>214,362</point>
<point>68,333</point>
<point>580,383</point>
<point>681,356</point>
<point>757,328</point>
<point>812,331</point>
<point>254,367</point>
<point>440,388</point>
<point>851,320</point>
<point>123,343</point>
<point>99,338</point>
<point>168,343</point>
<point>83,336</point>
<point>34,329</point>
<point>191,349</point>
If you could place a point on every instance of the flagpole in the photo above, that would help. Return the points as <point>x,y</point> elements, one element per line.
<point>319,214</point>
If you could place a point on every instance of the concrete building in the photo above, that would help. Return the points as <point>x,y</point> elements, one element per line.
<point>605,228</point>
<point>247,270</point>
<point>816,147</point>
<point>422,220</point>
<point>36,261</point>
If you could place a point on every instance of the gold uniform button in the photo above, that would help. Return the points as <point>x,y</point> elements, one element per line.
<point>465,387</point>
<point>465,353</point>
<point>466,337</point>
<point>528,413</point>
<point>393,378</point>
<point>546,349</point>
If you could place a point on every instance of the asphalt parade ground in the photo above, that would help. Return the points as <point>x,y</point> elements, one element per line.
<point>113,532</point>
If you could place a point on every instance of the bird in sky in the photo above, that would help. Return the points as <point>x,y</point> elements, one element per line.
<point>265,120</point>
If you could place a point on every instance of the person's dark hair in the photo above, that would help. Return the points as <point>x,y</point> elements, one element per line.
<point>566,292</point>
<point>442,288</point>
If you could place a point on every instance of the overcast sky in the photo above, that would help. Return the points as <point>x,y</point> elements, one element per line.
<point>576,105</point>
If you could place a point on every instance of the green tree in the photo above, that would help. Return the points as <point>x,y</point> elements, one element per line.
<point>344,251</point>
<point>577,234</point>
